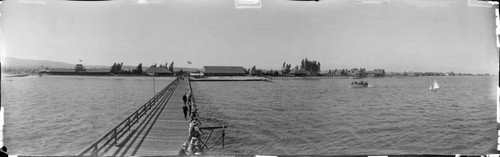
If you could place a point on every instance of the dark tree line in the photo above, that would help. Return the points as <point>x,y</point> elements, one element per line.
<point>166,66</point>
<point>311,67</point>
<point>116,68</point>
<point>259,72</point>
<point>255,72</point>
<point>286,68</point>
<point>138,69</point>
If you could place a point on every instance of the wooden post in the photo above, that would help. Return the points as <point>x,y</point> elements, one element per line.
<point>114,136</point>
<point>95,151</point>
<point>128,124</point>
<point>223,134</point>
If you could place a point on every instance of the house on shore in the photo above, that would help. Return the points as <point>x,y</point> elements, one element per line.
<point>379,72</point>
<point>298,72</point>
<point>223,71</point>
<point>59,72</point>
<point>370,73</point>
<point>354,72</point>
<point>96,72</point>
<point>158,71</point>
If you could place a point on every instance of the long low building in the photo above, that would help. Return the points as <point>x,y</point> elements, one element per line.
<point>223,71</point>
<point>158,71</point>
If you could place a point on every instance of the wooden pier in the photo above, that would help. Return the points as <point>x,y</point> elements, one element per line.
<point>157,128</point>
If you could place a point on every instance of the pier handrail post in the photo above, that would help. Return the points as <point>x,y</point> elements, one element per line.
<point>114,136</point>
<point>128,124</point>
<point>223,135</point>
<point>136,116</point>
<point>94,153</point>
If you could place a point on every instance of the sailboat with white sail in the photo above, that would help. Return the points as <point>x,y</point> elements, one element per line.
<point>434,86</point>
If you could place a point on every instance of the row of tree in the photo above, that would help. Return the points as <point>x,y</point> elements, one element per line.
<point>166,66</point>
<point>307,67</point>
<point>116,68</point>
<point>345,72</point>
<point>311,67</point>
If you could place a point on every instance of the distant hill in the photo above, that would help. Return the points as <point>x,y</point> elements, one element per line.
<point>9,62</point>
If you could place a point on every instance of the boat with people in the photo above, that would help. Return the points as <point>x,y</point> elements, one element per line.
<point>359,84</point>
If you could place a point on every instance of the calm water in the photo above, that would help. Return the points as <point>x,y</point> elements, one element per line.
<point>58,115</point>
<point>393,116</point>
<point>62,115</point>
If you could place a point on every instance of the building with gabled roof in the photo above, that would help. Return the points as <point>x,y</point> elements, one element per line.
<point>223,71</point>
<point>158,71</point>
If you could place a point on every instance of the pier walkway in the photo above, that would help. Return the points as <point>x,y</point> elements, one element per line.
<point>156,128</point>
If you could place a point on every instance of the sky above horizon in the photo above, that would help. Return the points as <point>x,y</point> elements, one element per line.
<point>405,35</point>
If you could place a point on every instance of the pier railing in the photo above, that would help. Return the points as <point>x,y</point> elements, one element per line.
<point>192,97</point>
<point>111,137</point>
<point>217,140</point>
<point>205,144</point>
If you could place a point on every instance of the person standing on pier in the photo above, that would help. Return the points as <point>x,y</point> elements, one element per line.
<point>184,98</point>
<point>190,98</point>
<point>185,110</point>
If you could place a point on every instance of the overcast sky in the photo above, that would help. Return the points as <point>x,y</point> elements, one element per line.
<point>405,35</point>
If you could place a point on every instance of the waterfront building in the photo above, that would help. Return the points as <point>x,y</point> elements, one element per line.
<point>298,72</point>
<point>353,72</point>
<point>411,73</point>
<point>223,71</point>
<point>102,71</point>
<point>338,72</point>
<point>158,71</point>
<point>60,72</point>
<point>379,72</point>
<point>370,73</point>
<point>79,68</point>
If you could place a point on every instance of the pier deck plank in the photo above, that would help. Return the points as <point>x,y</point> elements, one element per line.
<point>170,130</point>
<point>164,134</point>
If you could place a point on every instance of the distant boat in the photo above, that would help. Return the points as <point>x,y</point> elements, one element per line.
<point>434,86</point>
<point>359,84</point>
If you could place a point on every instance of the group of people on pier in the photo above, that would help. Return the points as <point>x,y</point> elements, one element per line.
<point>187,109</point>
<point>193,145</point>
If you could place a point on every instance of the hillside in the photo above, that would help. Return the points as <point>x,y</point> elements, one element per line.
<point>9,62</point>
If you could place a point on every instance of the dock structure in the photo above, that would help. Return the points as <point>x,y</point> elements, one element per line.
<point>156,128</point>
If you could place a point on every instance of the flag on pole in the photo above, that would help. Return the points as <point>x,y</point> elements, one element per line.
<point>189,62</point>
<point>81,61</point>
